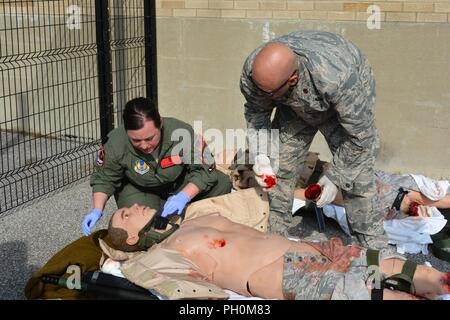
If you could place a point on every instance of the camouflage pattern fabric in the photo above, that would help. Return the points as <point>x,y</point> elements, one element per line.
<point>341,275</point>
<point>386,189</point>
<point>303,278</point>
<point>359,278</point>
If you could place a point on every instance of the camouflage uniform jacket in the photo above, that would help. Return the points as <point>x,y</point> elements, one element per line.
<point>335,84</point>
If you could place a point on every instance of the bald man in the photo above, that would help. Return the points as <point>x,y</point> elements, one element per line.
<point>315,81</point>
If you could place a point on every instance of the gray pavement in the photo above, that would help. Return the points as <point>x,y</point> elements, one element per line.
<point>29,237</point>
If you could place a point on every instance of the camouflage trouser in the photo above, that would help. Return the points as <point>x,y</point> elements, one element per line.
<point>307,277</point>
<point>358,199</point>
<point>281,223</point>
<point>368,228</point>
<point>293,155</point>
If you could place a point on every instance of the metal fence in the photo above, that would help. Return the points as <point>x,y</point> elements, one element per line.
<point>66,70</point>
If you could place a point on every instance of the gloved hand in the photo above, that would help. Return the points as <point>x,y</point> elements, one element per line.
<point>90,220</point>
<point>176,204</point>
<point>329,191</point>
<point>264,174</point>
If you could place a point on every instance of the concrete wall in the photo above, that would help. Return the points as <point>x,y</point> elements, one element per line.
<point>200,60</point>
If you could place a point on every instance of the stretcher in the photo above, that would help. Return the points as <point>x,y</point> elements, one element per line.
<point>103,286</point>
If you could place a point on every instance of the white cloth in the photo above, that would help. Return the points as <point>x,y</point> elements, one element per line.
<point>412,234</point>
<point>432,189</point>
<point>297,204</point>
<point>330,210</point>
<point>112,267</point>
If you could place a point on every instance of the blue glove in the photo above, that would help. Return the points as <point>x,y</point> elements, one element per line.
<point>175,204</point>
<point>90,220</point>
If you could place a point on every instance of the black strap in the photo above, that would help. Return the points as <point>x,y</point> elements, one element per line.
<point>320,218</point>
<point>372,257</point>
<point>317,173</point>
<point>399,198</point>
<point>409,268</point>
<point>377,294</point>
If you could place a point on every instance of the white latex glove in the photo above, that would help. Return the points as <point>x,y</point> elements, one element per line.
<point>264,174</point>
<point>329,192</point>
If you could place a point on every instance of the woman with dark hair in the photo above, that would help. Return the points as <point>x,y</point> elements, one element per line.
<point>150,159</point>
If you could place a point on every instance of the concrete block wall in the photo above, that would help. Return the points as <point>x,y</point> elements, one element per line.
<point>392,10</point>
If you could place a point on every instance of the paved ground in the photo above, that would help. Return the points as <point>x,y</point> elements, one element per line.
<point>31,167</point>
<point>31,236</point>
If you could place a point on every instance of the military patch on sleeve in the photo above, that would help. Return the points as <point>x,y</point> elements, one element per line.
<point>170,161</point>
<point>101,157</point>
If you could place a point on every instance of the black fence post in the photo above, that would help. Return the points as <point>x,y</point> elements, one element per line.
<point>104,64</point>
<point>150,50</point>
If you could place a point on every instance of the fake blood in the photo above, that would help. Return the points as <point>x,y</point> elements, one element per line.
<point>220,243</point>
<point>270,181</point>
<point>446,281</point>
<point>413,209</point>
<point>312,192</point>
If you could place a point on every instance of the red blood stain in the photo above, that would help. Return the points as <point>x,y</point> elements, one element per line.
<point>270,181</point>
<point>338,254</point>
<point>446,281</point>
<point>413,209</point>
<point>220,243</point>
<point>312,192</point>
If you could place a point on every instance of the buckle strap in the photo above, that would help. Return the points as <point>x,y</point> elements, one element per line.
<point>409,268</point>
<point>404,280</point>
<point>373,257</point>
<point>373,260</point>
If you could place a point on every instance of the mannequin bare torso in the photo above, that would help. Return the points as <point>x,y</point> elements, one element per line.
<point>234,256</point>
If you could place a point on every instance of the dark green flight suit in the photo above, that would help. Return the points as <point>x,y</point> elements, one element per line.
<point>135,177</point>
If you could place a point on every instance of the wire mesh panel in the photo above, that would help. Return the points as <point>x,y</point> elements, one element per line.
<point>67,68</point>
<point>48,97</point>
<point>127,52</point>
